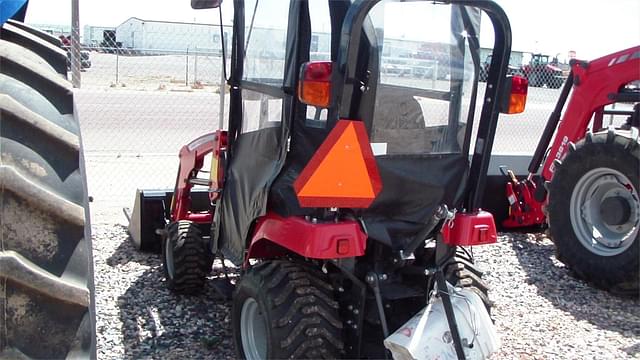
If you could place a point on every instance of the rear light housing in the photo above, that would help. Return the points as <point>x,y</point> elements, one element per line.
<point>515,97</point>
<point>314,87</point>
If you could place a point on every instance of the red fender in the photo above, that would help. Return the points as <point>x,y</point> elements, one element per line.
<point>275,235</point>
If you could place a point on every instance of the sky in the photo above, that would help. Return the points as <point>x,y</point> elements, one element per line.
<point>591,28</point>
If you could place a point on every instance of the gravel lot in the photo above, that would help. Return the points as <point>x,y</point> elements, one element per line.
<point>137,317</point>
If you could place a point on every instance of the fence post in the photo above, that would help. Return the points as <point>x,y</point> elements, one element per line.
<point>117,64</point>
<point>195,66</point>
<point>186,78</point>
<point>76,61</point>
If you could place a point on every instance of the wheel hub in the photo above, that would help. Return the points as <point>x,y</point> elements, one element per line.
<point>253,330</point>
<point>615,210</point>
<point>605,211</point>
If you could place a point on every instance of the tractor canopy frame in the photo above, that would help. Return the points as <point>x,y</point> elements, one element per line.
<point>271,138</point>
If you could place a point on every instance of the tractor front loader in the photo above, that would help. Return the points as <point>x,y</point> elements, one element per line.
<point>588,190</point>
<point>345,194</point>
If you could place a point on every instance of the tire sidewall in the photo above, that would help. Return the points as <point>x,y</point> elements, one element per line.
<point>167,241</point>
<point>569,247</point>
<point>249,286</point>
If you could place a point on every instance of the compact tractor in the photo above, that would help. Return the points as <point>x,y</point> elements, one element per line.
<point>348,198</point>
<point>588,189</point>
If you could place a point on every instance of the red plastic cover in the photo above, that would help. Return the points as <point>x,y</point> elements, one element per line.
<point>470,229</point>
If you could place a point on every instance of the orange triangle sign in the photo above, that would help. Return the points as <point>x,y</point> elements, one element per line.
<point>342,172</point>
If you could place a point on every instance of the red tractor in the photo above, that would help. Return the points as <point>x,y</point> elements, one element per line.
<point>540,72</point>
<point>588,191</point>
<point>348,198</point>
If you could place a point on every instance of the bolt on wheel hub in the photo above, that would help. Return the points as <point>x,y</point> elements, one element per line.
<point>605,211</point>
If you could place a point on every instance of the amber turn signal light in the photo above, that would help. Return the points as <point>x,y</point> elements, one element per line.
<point>314,87</point>
<point>517,87</point>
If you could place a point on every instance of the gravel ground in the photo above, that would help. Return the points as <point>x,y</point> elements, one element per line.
<point>137,317</point>
<point>541,311</point>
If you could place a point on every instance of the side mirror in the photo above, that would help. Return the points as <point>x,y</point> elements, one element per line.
<point>205,4</point>
<point>314,87</point>
<point>515,95</point>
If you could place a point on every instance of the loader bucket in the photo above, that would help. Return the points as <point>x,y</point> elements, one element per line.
<point>152,212</point>
<point>149,215</point>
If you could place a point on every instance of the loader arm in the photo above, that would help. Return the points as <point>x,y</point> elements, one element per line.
<point>595,85</point>
<point>590,87</point>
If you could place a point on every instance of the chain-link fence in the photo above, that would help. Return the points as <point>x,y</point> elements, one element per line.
<point>138,106</point>
<point>151,87</point>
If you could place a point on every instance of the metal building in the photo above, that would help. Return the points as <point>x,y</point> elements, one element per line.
<point>150,36</point>
<point>95,35</point>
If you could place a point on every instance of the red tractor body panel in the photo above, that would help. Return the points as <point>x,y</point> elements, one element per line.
<point>593,86</point>
<point>327,240</point>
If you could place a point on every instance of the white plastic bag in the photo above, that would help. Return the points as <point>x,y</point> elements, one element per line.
<point>427,334</point>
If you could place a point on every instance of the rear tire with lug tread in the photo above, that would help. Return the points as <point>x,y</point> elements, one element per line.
<point>291,307</point>
<point>46,268</point>
<point>461,272</point>
<point>603,169</point>
<point>186,258</point>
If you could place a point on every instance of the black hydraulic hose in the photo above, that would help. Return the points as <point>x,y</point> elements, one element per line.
<point>551,126</point>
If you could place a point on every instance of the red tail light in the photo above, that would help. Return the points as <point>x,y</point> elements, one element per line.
<point>517,95</point>
<point>314,87</point>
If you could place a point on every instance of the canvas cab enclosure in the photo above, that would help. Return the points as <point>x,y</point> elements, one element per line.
<point>407,70</point>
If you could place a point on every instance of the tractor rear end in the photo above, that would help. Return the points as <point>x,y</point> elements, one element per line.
<point>344,193</point>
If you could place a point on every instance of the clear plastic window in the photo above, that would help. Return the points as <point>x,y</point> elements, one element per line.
<point>260,111</point>
<point>426,76</point>
<point>265,40</point>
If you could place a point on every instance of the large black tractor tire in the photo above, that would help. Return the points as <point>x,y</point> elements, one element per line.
<point>186,259</point>
<point>46,268</point>
<point>286,310</point>
<point>603,168</point>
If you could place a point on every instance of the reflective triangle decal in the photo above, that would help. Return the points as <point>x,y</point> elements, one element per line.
<point>343,172</point>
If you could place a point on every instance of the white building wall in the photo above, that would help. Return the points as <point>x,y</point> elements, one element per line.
<point>157,36</point>
<point>130,33</point>
<point>180,37</point>
<point>94,34</point>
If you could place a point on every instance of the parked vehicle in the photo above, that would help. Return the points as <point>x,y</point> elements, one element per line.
<point>484,69</point>
<point>588,191</point>
<point>85,59</point>
<point>542,72</point>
